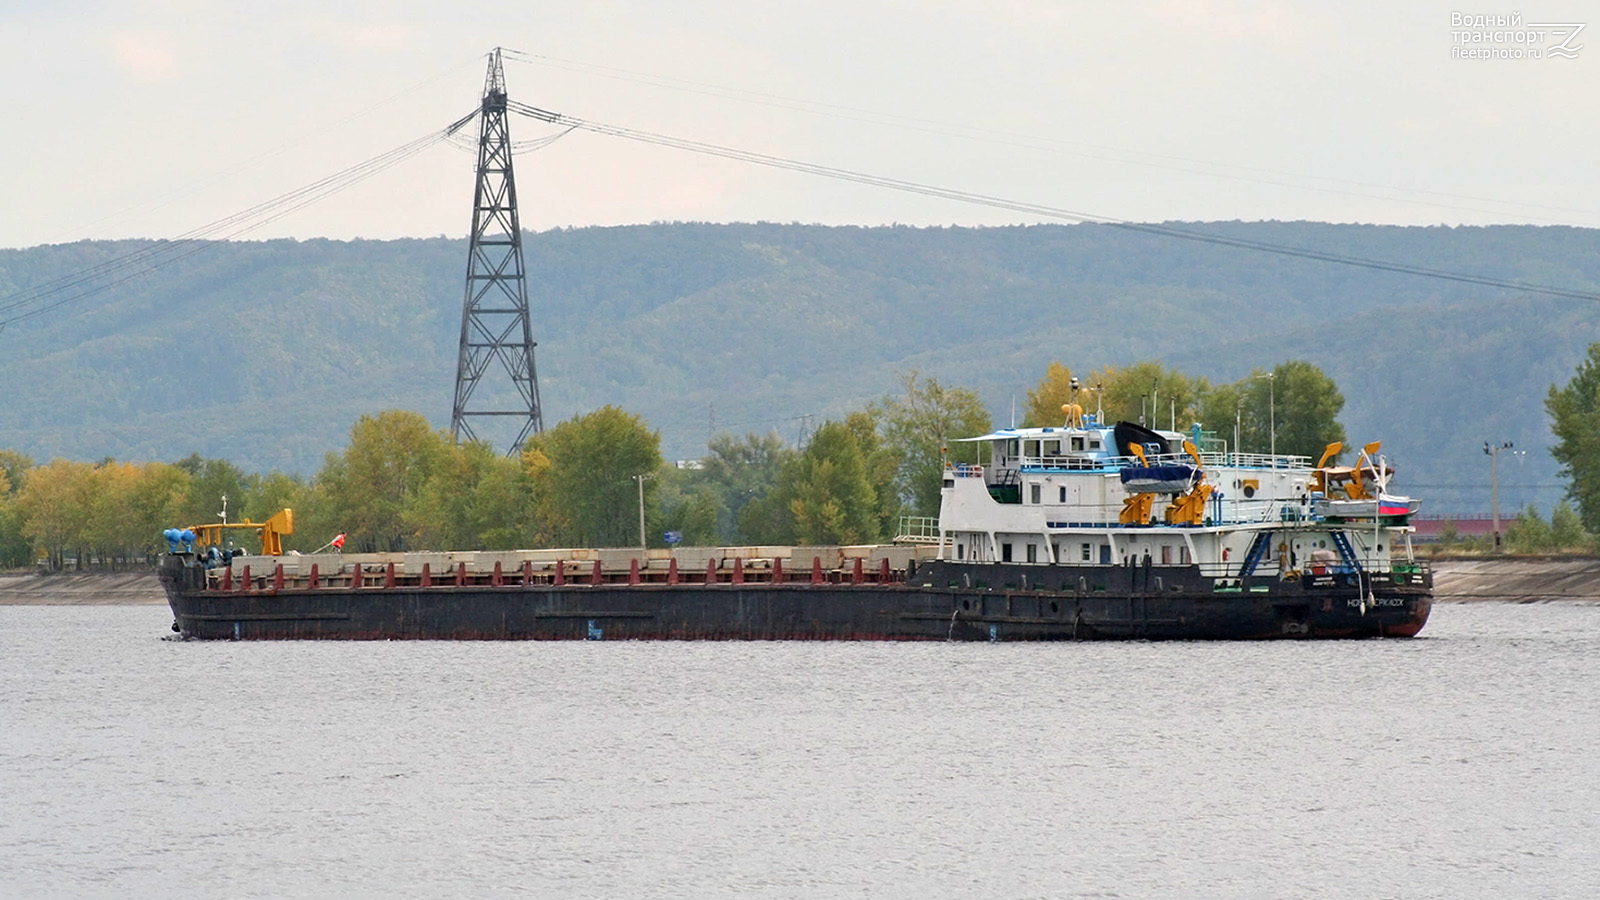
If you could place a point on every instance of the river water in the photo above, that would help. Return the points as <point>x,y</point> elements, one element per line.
<point>1464,763</point>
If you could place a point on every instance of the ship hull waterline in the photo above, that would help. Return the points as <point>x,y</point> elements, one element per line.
<point>993,602</point>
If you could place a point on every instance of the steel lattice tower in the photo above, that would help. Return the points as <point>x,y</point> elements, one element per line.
<point>494,313</point>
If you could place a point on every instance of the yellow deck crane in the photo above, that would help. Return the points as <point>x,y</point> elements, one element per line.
<point>271,532</point>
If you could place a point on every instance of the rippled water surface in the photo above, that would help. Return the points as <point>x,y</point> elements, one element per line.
<point>1465,763</point>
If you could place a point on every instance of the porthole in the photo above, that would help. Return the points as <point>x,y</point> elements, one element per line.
<point>1249,492</point>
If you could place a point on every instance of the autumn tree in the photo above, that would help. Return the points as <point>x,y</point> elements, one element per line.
<point>1053,392</point>
<point>917,426</point>
<point>55,500</point>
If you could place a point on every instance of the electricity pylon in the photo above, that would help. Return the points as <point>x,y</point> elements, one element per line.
<point>494,313</point>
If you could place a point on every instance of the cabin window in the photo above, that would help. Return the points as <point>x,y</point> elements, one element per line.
<point>1005,553</point>
<point>1183,555</point>
<point>1166,554</point>
<point>1051,448</point>
<point>961,551</point>
<point>1063,497</point>
<point>949,482</point>
<point>1077,444</point>
<point>1033,494</point>
<point>1094,443</point>
<point>1085,552</point>
<point>1033,552</point>
<point>1030,448</point>
<point>1105,554</point>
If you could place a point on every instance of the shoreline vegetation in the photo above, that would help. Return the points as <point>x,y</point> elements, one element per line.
<point>1461,579</point>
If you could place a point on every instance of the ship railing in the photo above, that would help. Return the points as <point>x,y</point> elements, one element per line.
<point>1085,462</point>
<point>1269,566</point>
<point>1255,461</point>
<point>918,530</point>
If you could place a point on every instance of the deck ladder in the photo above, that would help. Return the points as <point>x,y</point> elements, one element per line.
<point>1258,549</point>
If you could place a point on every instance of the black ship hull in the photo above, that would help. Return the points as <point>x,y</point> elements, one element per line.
<point>938,600</point>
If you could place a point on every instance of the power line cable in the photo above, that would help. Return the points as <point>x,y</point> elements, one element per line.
<point>103,276</point>
<point>1047,144</point>
<point>1037,209</point>
<point>249,163</point>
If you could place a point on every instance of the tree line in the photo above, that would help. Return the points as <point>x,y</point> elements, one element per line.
<point>400,484</point>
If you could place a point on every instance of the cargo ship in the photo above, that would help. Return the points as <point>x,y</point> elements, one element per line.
<point>1087,531</point>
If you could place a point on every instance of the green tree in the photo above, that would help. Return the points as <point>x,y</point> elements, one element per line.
<point>686,503</point>
<point>271,493</point>
<point>1145,392</point>
<point>586,466</point>
<point>1529,533</point>
<point>1296,396</point>
<point>739,472</point>
<point>828,490</point>
<point>474,497</point>
<point>209,481</point>
<point>1566,529</point>
<point>371,486</point>
<point>883,468</point>
<point>1575,418</point>
<point>917,427</point>
<point>14,466</point>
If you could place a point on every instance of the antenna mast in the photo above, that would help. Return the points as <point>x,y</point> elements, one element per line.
<point>494,311</point>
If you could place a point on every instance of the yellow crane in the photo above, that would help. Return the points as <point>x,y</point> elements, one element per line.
<point>271,532</point>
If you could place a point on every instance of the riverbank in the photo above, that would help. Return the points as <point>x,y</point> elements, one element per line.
<point>135,588</point>
<point>1478,580</point>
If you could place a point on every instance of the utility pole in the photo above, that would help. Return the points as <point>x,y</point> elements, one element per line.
<point>1272,411</point>
<point>496,337</point>
<point>1494,485</point>
<point>640,479</point>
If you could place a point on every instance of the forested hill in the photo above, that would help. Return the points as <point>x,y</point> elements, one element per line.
<point>264,353</point>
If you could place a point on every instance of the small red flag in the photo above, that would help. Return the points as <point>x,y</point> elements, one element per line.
<point>338,542</point>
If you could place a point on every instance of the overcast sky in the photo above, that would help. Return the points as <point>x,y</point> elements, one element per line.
<point>150,118</point>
